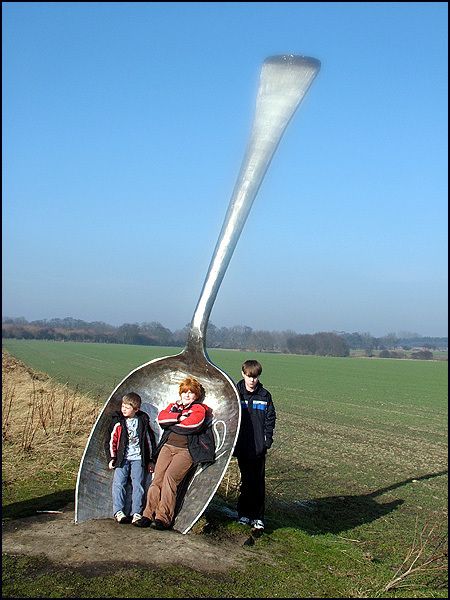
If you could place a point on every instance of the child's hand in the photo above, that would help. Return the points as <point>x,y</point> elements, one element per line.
<point>111,464</point>
<point>151,467</point>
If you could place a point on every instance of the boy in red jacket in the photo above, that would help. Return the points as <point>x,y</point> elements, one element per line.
<point>183,422</point>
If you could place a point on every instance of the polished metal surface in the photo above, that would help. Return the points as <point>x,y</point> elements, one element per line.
<point>284,82</point>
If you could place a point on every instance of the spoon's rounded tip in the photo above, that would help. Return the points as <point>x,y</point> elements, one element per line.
<point>294,59</point>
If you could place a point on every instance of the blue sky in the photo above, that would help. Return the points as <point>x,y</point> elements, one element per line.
<point>124,127</point>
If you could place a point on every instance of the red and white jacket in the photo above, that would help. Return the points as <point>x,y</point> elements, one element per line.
<point>116,440</point>
<point>182,419</point>
<point>193,421</point>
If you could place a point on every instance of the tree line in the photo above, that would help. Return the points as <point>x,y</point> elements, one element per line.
<point>239,337</point>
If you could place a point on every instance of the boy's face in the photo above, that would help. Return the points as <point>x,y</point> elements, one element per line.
<point>187,397</point>
<point>250,381</point>
<point>127,410</point>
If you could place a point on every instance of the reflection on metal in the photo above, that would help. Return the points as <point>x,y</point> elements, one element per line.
<point>157,384</point>
<point>283,83</point>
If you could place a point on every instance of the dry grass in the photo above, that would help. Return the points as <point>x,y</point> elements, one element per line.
<point>230,484</point>
<point>428,555</point>
<point>44,424</point>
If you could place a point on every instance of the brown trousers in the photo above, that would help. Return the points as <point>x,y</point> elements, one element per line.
<point>172,465</point>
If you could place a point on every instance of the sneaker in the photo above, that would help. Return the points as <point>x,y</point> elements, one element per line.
<point>136,517</point>
<point>257,524</point>
<point>142,522</point>
<point>244,521</point>
<point>121,517</point>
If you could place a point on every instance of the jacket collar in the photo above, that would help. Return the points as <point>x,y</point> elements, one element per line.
<point>258,390</point>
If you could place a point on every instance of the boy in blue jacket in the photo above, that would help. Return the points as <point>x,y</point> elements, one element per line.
<point>254,439</point>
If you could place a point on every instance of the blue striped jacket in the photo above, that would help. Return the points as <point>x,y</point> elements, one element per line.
<point>257,422</point>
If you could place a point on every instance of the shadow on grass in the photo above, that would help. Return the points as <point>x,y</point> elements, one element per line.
<point>29,508</point>
<point>335,514</point>
<point>332,514</point>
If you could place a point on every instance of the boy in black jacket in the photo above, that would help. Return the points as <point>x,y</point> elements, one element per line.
<point>130,446</point>
<point>254,439</point>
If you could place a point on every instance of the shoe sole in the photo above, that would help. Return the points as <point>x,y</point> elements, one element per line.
<point>159,526</point>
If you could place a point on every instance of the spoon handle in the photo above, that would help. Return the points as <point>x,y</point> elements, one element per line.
<point>283,84</point>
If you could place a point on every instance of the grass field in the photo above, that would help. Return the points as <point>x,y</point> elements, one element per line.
<point>359,459</point>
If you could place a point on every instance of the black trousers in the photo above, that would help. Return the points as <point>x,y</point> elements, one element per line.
<point>253,487</point>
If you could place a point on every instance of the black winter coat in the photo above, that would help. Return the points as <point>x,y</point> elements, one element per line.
<point>257,422</point>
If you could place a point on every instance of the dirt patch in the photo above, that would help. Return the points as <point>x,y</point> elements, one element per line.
<point>55,535</point>
<point>102,542</point>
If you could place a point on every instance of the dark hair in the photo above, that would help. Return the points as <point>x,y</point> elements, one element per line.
<point>252,368</point>
<point>133,400</point>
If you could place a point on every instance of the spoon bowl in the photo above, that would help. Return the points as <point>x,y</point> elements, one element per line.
<point>157,383</point>
<point>283,83</point>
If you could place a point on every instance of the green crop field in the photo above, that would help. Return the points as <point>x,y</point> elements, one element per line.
<point>360,451</point>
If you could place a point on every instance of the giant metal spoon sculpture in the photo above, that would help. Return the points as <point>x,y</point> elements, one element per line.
<point>283,83</point>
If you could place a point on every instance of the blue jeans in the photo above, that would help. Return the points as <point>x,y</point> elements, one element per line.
<point>135,470</point>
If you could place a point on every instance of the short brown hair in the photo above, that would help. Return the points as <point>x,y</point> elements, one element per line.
<point>252,368</point>
<point>190,383</point>
<point>133,400</point>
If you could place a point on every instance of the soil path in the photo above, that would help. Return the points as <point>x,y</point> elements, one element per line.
<point>58,538</point>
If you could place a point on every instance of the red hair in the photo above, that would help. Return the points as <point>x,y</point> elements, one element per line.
<point>191,384</point>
